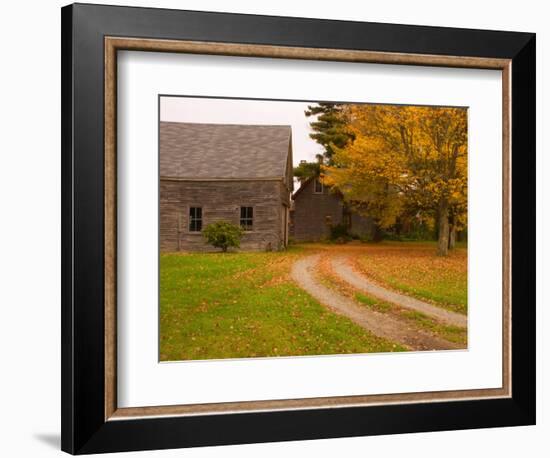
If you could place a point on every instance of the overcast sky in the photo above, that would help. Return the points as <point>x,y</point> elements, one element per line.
<point>229,111</point>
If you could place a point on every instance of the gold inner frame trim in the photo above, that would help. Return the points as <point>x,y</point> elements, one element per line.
<point>114,44</point>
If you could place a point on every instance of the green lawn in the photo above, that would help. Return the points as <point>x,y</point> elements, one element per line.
<point>237,305</point>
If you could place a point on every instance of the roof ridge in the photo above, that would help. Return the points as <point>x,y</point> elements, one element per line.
<point>225,124</point>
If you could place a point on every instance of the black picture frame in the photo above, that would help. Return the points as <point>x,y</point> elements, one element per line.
<point>84,429</point>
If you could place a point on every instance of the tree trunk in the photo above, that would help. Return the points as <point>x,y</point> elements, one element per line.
<point>452,237</point>
<point>443,239</point>
<point>346,217</point>
<point>377,235</point>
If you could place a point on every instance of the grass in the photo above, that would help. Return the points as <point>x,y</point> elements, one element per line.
<point>372,303</point>
<point>448,332</point>
<point>412,317</point>
<point>237,305</point>
<point>415,269</point>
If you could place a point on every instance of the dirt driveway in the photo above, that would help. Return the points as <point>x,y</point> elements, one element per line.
<point>304,273</point>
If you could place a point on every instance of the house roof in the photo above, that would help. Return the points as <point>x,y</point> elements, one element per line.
<point>303,185</point>
<point>226,151</point>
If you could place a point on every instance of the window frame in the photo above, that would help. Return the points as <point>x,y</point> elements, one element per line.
<point>193,219</point>
<point>316,182</point>
<point>246,218</point>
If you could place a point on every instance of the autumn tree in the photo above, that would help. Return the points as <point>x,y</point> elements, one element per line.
<point>405,160</point>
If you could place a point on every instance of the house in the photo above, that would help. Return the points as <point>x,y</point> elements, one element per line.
<point>236,173</point>
<point>316,208</point>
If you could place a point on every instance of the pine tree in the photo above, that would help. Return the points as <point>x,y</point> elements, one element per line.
<point>306,170</point>
<point>330,128</point>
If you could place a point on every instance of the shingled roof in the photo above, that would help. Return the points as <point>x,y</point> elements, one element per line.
<point>227,151</point>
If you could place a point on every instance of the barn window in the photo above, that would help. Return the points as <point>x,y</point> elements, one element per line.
<point>195,219</point>
<point>247,215</point>
<point>318,186</point>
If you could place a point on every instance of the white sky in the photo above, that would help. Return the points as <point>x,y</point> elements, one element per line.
<point>234,111</point>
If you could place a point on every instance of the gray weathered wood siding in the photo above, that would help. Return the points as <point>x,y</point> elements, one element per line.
<point>310,213</point>
<point>221,200</point>
<point>314,213</point>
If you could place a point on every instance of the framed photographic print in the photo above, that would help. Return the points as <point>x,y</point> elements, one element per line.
<point>281,228</point>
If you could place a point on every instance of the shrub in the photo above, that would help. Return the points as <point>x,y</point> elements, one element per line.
<point>222,234</point>
<point>339,233</point>
<point>367,238</point>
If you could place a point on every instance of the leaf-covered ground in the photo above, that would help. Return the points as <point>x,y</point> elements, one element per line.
<point>236,305</point>
<point>415,269</point>
<point>411,318</point>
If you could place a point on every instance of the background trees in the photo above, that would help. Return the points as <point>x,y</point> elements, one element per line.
<point>306,170</point>
<point>330,127</point>
<point>404,162</point>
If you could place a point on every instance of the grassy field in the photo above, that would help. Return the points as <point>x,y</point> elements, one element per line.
<point>236,305</point>
<point>414,269</point>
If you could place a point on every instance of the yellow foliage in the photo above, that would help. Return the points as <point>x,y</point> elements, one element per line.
<point>404,160</point>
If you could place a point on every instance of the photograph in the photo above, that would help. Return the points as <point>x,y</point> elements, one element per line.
<point>280,227</point>
<point>305,228</point>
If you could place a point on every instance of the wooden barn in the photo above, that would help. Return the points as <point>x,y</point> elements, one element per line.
<point>236,173</point>
<point>315,208</point>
